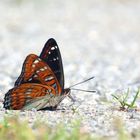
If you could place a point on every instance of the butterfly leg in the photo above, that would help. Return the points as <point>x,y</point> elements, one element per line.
<point>73,100</point>
<point>52,108</point>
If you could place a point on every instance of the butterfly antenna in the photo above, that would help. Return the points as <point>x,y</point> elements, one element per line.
<point>81,82</point>
<point>83,90</point>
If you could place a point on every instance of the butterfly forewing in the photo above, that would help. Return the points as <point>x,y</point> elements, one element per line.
<point>28,69</point>
<point>51,55</point>
<point>36,70</point>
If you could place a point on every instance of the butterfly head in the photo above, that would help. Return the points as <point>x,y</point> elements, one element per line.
<point>66,91</point>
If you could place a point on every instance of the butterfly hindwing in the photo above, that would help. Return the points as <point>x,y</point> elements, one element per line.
<point>25,94</point>
<point>51,55</point>
<point>49,102</point>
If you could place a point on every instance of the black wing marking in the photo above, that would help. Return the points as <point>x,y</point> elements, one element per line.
<point>51,55</point>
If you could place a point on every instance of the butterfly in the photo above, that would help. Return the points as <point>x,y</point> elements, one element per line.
<point>41,82</point>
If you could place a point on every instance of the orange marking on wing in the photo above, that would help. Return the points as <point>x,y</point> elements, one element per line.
<point>51,82</point>
<point>20,94</point>
<point>28,69</point>
<point>32,66</point>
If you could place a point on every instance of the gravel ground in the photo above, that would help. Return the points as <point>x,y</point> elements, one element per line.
<point>99,38</point>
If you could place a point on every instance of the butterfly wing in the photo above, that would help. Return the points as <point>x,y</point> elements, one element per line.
<point>39,75</point>
<point>37,71</point>
<point>51,55</point>
<point>28,70</point>
<point>49,101</point>
<point>28,96</point>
